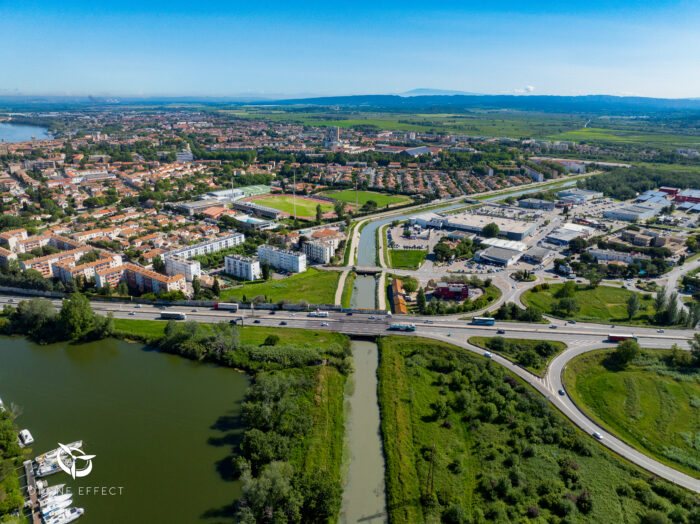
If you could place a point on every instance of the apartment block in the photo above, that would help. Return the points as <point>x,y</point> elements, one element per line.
<point>140,278</point>
<point>246,268</point>
<point>283,259</point>
<point>321,251</point>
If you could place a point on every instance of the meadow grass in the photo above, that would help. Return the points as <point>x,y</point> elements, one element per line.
<point>657,413</point>
<point>604,304</point>
<point>406,258</point>
<point>313,285</point>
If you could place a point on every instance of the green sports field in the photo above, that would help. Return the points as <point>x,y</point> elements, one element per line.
<point>285,203</point>
<point>382,199</point>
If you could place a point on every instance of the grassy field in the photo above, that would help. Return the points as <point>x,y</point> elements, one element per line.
<point>604,304</point>
<point>406,258</point>
<point>347,289</point>
<point>651,405</point>
<point>620,136</point>
<point>254,335</point>
<point>499,452</point>
<point>539,352</point>
<point>285,203</point>
<point>314,286</point>
<point>382,199</point>
<point>481,123</point>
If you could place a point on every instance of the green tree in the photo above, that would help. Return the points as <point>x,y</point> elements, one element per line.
<point>265,269</point>
<point>410,284</point>
<point>76,316</point>
<point>626,351</point>
<point>158,264</point>
<point>339,208</point>
<point>568,306</point>
<point>216,287</point>
<point>567,290</point>
<point>319,213</point>
<point>633,304</point>
<point>196,286</point>
<point>594,277</point>
<point>421,300</point>
<point>490,230</point>
<point>578,245</point>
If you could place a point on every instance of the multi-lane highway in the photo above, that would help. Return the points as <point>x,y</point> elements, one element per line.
<point>579,338</point>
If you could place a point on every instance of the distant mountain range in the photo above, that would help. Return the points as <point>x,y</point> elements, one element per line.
<point>592,104</point>
<point>424,91</point>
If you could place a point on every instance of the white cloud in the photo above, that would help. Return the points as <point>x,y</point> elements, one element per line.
<point>524,90</point>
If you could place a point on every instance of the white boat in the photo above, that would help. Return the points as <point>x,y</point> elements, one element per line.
<point>46,491</point>
<point>54,499</point>
<point>51,455</point>
<point>25,438</point>
<point>56,506</point>
<point>2,405</point>
<point>65,516</point>
<point>46,469</point>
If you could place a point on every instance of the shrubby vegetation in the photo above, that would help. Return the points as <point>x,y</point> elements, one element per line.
<point>11,498</point>
<point>39,320</point>
<point>650,398</point>
<point>511,311</point>
<point>499,451</point>
<point>533,355</point>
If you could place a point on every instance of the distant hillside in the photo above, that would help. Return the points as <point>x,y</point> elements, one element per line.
<point>590,104</point>
<point>424,91</point>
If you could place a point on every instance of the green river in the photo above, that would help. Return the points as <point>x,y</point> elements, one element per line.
<point>162,427</point>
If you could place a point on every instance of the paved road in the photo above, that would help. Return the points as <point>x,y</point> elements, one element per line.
<point>579,338</point>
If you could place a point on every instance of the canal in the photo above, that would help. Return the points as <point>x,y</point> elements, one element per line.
<point>162,427</point>
<point>21,133</point>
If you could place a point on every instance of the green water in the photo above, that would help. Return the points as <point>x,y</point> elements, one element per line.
<point>162,427</point>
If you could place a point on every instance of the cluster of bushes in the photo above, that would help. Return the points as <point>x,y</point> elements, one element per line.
<point>222,344</point>
<point>39,320</point>
<point>278,418</point>
<point>529,461</point>
<point>511,311</point>
<point>527,353</point>
<point>11,498</point>
<point>463,250</point>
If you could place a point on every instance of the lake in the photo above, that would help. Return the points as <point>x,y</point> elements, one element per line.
<point>21,132</point>
<point>161,427</point>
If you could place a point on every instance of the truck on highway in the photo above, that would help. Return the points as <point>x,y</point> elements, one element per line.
<point>226,306</point>
<point>173,315</point>
<point>317,313</point>
<point>402,327</point>
<point>483,321</point>
<point>619,337</point>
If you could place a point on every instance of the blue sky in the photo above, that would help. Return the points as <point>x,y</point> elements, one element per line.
<point>213,48</point>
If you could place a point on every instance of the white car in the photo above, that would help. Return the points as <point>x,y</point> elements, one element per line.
<point>132,313</point>
<point>324,324</point>
<point>487,354</point>
<point>597,435</point>
<point>659,330</point>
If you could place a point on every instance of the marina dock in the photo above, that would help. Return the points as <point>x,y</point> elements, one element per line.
<point>31,490</point>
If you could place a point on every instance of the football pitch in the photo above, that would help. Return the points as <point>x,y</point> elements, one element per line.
<point>285,203</point>
<point>381,199</point>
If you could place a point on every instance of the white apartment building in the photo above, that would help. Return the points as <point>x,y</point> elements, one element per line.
<point>179,265</point>
<point>246,268</point>
<point>178,261</point>
<point>291,261</point>
<point>321,252</point>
